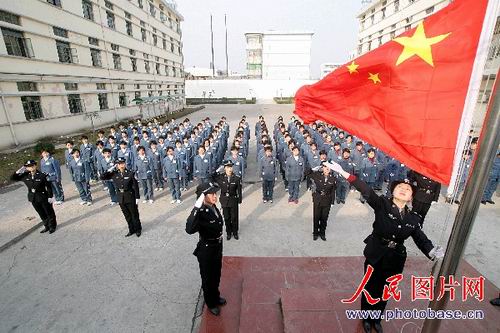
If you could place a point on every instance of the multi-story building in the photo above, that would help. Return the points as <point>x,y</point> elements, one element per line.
<point>278,55</point>
<point>327,68</point>
<point>67,63</point>
<point>382,20</point>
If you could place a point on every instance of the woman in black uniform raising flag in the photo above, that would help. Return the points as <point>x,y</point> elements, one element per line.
<point>385,250</point>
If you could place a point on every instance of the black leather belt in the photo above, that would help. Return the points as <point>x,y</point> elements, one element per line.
<point>389,243</point>
<point>211,240</point>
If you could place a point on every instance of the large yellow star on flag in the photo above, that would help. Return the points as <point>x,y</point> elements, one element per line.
<point>418,44</point>
<point>374,78</point>
<point>352,67</point>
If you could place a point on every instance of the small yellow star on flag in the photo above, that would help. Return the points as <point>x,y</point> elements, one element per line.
<point>418,44</point>
<point>374,78</point>
<point>352,67</point>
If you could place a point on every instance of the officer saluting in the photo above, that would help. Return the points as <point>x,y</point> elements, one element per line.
<point>127,191</point>
<point>324,186</point>
<point>206,219</point>
<point>39,193</point>
<point>230,197</point>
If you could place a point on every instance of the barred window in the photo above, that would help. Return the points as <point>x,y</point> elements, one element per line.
<point>93,41</point>
<point>60,32</point>
<point>117,62</point>
<point>55,2</point>
<point>111,20</point>
<point>96,57</point>
<point>70,86</point>
<point>75,103</point>
<point>16,44</point>
<point>122,99</point>
<point>65,53</point>
<point>115,47</point>
<point>133,61</point>
<point>103,101</point>
<point>9,17</point>
<point>32,107</point>
<point>88,11</point>
<point>101,86</point>
<point>27,86</point>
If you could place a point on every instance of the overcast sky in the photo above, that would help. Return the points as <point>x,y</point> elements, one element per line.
<point>333,22</point>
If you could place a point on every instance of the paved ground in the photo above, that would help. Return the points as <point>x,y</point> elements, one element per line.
<point>88,278</point>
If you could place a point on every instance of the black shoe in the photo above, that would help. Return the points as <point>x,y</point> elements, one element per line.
<point>315,237</point>
<point>138,233</point>
<point>222,301</point>
<point>235,235</point>
<point>338,202</point>
<point>490,202</point>
<point>495,301</point>
<point>483,202</point>
<point>343,201</point>
<point>44,231</point>
<point>129,234</point>
<point>51,231</point>
<point>215,311</point>
<point>457,202</point>
<point>323,237</point>
<point>228,237</point>
<point>378,327</point>
<point>367,326</point>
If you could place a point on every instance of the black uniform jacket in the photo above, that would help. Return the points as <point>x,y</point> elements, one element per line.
<point>324,192</point>
<point>39,188</point>
<point>427,189</point>
<point>230,189</point>
<point>127,188</point>
<point>389,226</point>
<point>206,222</point>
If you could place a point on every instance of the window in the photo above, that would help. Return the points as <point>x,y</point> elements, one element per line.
<point>157,68</point>
<point>143,24</point>
<point>122,99</point>
<point>88,11</point>
<point>407,27</point>
<point>380,41</point>
<point>9,18</point>
<point>70,86</point>
<point>108,5</point>
<point>152,9</point>
<point>155,40</point>
<point>115,47</point>
<point>137,95</point>
<point>393,34</point>
<point>396,5</point>
<point>164,43</point>
<point>32,107</point>
<point>149,86</point>
<point>60,32</point>
<point>55,2</point>
<point>167,71</point>
<point>96,57</point>
<point>134,64</point>
<point>93,41</point>
<point>128,16</point>
<point>103,101</point>
<point>143,34</point>
<point>429,10</point>
<point>65,53</point>
<point>137,86</point>
<point>111,20</point>
<point>383,13</point>
<point>150,93</point>
<point>121,86</point>
<point>146,66</point>
<point>139,3</point>
<point>26,86</point>
<point>100,86</point>
<point>174,70</point>
<point>117,62</point>
<point>128,25</point>
<point>16,44</point>
<point>75,103</point>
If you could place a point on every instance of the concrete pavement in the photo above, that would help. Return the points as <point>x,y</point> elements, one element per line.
<point>87,277</point>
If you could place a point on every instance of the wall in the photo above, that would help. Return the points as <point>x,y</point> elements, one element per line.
<point>261,89</point>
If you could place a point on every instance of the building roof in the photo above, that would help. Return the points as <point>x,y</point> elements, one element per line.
<point>281,32</point>
<point>172,5</point>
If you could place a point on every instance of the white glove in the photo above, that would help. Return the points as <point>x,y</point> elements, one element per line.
<point>219,169</point>
<point>436,252</point>
<point>51,200</point>
<point>136,201</point>
<point>317,168</point>
<point>21,170</point>
<point>112,168</point>
<point>199,201</point>
<point>334,166</point>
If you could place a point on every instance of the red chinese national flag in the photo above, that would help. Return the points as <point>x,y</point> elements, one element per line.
<point>407,96</point>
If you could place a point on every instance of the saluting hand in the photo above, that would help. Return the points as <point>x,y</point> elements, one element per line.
<point>199,201</point>
<point>21,170</point>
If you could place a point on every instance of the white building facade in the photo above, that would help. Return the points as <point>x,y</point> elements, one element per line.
<point>67,63</point>
<point>275,55</point>
<point>328,67</point>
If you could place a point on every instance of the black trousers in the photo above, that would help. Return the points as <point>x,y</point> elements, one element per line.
<point>386,267</point>
<point>421,208</point>
<point>131,213</point>
<point>210,261</point>
<point>231,219</point>
<point>320,218</point>
<point>46,213</point>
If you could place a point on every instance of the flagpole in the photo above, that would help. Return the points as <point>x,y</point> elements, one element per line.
<point>227,58</point>
<point>467,211</point>
<point>212,45</point>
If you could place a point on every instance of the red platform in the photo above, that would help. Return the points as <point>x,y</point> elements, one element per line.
<point>298,295</point>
